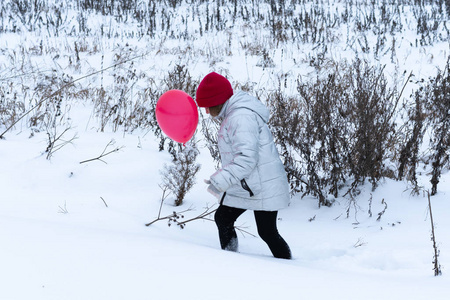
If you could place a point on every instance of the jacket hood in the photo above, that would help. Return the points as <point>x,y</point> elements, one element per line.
<point>242,100</point>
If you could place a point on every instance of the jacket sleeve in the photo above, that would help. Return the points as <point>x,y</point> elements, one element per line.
<point>243,136</point>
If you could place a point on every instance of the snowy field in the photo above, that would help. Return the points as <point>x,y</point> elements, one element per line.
<point>60,241</point>
<point>71,230</point>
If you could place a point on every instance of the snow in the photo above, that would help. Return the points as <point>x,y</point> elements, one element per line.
<point>60,240</point>
<point>77,231</point>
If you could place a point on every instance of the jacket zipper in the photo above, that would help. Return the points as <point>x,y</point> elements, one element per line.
<point>246,187</point>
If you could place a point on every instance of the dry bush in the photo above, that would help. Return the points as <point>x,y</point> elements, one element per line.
<point>371,107</point>
<point>179,177</point>
<point>412,133</point>
<point>337,132</point>
<point>429,113</point>
<point>437,95</point>
<point>210,128</point>
<point>121,103</point>
<point>10,106</point>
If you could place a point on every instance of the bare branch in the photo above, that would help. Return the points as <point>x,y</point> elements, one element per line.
<point>53,139</point>
<point>173,217</point>
<point>381,213</point>
<point>203,215</point>
<point>104,201</point>
<point>243,232</point>
<point>104,153</point>
<point>436,265</point>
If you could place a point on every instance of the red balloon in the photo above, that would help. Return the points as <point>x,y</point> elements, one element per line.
<point>177,115</point>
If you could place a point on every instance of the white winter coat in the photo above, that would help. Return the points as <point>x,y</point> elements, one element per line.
<point>252,174</point>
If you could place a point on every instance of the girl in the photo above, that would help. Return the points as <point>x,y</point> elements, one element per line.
<point>252,176</point>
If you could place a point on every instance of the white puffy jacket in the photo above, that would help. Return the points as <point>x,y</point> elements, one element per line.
<point>252,174</point>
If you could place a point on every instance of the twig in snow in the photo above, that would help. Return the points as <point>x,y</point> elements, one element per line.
<point>360,242</point>
<point>63,210</point>
<point>370,206</point>
<point>383,211</point>
<point>203,215</point>
<point>54,138</point>
<point>165,194</point>
<point>174,217</point>
<point>104,201</point>
<point>437,266</point>
<point>104,153</point>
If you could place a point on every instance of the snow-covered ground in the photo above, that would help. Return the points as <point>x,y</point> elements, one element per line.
<point>60,240</point>
<point>77,231</point>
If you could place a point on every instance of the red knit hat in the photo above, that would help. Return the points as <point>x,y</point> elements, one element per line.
<point>213,90</point>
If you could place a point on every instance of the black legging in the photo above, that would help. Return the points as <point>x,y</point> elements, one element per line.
<point>266,221</point>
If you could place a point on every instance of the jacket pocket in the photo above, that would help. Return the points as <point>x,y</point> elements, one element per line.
<point>246,187</point>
